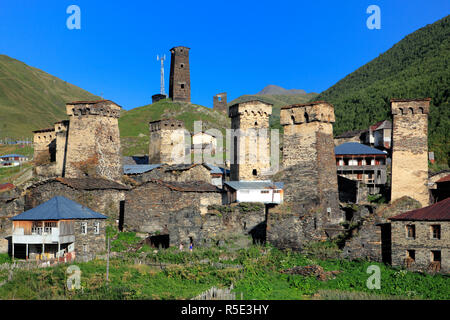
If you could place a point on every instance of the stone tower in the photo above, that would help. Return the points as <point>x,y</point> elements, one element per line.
<point>310,211</point>
<point>61,130</point>
<point>180,78</point>
<point>410,149</point>
<point>250,157</point>
<point>44,145</point>
<point>220,102</point>
<point>167,142</point>
<point>93,142</point>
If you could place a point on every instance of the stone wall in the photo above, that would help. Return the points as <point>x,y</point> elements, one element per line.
<point>251,142</point>
<point>11,204</point>
<point>161,208</point>
<point>44,144</point>
<point>180,78</point>
<point>93,143</point>
<point>423,244</point>
<point>220,102</point>
<point>410,149</point>
<point>195,172</point>
<point>88,245</point>
<point>104,201</point>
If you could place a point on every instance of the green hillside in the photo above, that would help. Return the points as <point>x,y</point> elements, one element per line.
<point>416,67</point>
<point>31,99</point>
<point>133,124</point>
<point>278,101</point>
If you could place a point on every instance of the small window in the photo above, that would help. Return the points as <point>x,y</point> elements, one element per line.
<point>97,228</point>
<point>436,231</point>
<point>182,65</point>
<point>411,254</point>
<point>411,231</point>
<point>182,86</point>
<point>264,191</point>
<point>436,256</point>
<point>84,228</point>
<point>255,172</point>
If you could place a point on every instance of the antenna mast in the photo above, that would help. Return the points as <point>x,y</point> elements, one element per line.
<point>162,58</point>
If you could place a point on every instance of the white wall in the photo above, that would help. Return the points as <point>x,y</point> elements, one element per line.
<point>255,195</point>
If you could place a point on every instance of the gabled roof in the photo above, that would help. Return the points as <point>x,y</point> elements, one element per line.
<point>439,211</point>
<point>385,124</point>
<point>350,134</point>
<point>356,148</point>
<point>254,185</point>
<point>187,186</point>
<point>444,179</point>
<point>59,208</point>
<point>86,183</point>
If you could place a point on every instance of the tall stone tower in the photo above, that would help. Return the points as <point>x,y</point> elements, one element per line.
<point>250,158</point>
<point>44,145</point>
<point>310,211</point>
<point>167,142</point>
<point>410,149</point>
<point>180,77</point>
<point>93,142</point>
<point>61,130</point>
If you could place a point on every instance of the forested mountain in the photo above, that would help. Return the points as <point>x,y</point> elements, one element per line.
<point>415,67</point>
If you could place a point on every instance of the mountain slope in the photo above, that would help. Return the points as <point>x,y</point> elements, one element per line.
<point>31,99</point>
<point>417,66</point>
<point>273,89</point>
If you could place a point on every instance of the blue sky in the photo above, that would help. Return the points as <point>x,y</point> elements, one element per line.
<point>236,46</point>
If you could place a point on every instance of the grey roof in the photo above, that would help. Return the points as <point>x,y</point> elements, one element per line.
<point>139,168</point>
<point>243,185</point>
<point>133,160</point>
<point>59,208</point>
<point>216,169</point>
<point>356,148</point>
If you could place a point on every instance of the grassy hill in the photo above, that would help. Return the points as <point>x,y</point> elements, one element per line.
<point>415,67</point>
<point>31,99</point>
<point>133,124</point>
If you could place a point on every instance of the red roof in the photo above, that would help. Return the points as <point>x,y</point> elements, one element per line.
<point>376,125</point>
<point>6,186</point>
<point>439,211</point>
<point>444,179</point>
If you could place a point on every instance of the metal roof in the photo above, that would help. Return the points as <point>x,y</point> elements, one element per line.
<point>13,156</point>
<point>251,185</point>
<point>444,179</point>
<point>139,168</point>
<point>440,211</point>
<point>59,208</point>
<point>356,148</point>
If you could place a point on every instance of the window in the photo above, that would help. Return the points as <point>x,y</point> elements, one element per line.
<point>411,231</point>
<point>264,191</point>
<point>84,228</point>
<point>411,255</point>
<point>182,86</point>
<point>436,256</point>
<point>182,65</point>
<point>97,228</point>
<point>255,172</point>
<point>436,231</point>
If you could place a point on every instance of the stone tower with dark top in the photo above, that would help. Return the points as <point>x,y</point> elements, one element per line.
<point>180,78</point>
<point>93,140</point>
<point>167,142</point>
<point>251,140</point>
<point>410,149</point>
<point>310,211</point>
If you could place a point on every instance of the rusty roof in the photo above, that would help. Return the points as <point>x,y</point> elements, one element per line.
<point>439,211</point>
<point>6,187</point>
<point>444,179</point>
<point>298,105</point>
<point>86,183</point>
<point>188,186</point>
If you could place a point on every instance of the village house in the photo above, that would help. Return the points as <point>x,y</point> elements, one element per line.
<point>204,142</point>
<point>379,135</point>
<point>58,229</point>
<point>12,160</point>
<point>421,238</point>
<point>267,192</point>
<point>362,163</point>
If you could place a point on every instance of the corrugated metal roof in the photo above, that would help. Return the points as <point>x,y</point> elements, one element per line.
<point>13,155</point>
<point>139,168</point>
<point>355,148</point>
<point>215,169</point>
<point>249,185</point>
<point>59,208</point>
<point>439,211</point>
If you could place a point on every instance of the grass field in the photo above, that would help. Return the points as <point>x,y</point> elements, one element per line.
<point>255,272</point>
